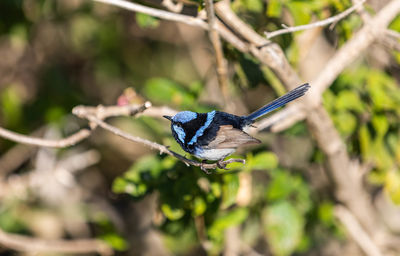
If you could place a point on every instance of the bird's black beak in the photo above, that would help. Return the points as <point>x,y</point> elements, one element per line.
<point>168,117</point>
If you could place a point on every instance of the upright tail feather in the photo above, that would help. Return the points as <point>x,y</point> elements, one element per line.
<point>279,102</point>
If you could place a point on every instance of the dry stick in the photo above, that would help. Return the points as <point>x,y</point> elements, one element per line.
<point>321,23</point>
<point>185,19</point>
<point>189,20</point>
<point>356,231</point>
<point>31,244</point>
<point>393,33</point>
<point>66,142</point>
<point>390,40</point>
<point>219,54</point>
<point>101,112</point>
<point>161,148</point>
<point>370,32</point>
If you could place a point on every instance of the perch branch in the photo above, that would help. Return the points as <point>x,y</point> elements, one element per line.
<point>100,111</point>
<point>31,244</point>
<point>331,20</point>
<point>80,112</point>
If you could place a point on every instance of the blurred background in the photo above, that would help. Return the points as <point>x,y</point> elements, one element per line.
<point>59,54</point>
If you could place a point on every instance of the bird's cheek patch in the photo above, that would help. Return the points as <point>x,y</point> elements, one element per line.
<point>180,132</point>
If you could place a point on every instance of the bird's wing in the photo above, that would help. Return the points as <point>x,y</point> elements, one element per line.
<point>229,137</point>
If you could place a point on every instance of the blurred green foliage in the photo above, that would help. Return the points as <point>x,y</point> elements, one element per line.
<point>88,55</point>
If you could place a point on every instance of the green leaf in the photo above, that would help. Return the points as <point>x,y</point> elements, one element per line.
<point>381,125</point>
<point>274,8</point>
<point>11,106</point>
<point>301,12</point>
<point>253,5</point>
<point>345,122</point>
<point>365,142</point>
<point>146,21</point>
<point>280,186</point>
<point>265,160</point>
<point>115,241</point>
<point>392,186</point>
<point>325,213</point>
<point>165,91</point>
<point>172,213</point>
<point>232,218</point>
<point>284,227</point>
<point>230,188</point>
<point>199,206</point>
<point>349,100</point>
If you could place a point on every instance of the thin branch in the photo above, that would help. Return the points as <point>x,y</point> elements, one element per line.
<point>31,244</point>
<point>189,20</point>
<point>390,40</point>
<point>370,32</point>
<point>100,111</point>
<point>66,142</point>
<point>356,231</point>
<point>170,5</point>
<point>394,34</point>
<point>321,23</point>
<point>219,54</point>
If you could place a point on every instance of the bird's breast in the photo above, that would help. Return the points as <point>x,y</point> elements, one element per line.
<point>213,154</point>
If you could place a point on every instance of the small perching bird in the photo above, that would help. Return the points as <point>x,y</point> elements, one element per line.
<point>215,135</point>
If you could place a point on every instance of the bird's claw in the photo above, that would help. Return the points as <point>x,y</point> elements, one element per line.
<point>203,168</point>
<point>222,165</point>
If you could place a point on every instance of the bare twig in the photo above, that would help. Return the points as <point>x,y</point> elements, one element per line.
<point>356,231</point>
<point>66,142</point>
<point>321,23</point>
<point>100,111</point>
<point>31,244</point>
<point>189,20</point>
<point>170,5</point>
<point>393,33</point>
<point>372,31</point>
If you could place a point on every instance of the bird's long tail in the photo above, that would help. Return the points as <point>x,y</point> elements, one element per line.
<point>279,102</point>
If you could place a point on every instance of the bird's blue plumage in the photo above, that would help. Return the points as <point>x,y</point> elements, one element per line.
<point>180,132</point>
<point>200,131</point>
<point>215,135</point>
<point>279,102</point>
<point>184,116</point>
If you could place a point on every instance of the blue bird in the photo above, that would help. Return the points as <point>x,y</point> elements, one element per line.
<point>215,135</point>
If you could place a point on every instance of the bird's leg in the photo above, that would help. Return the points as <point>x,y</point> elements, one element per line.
<point>203,168</point>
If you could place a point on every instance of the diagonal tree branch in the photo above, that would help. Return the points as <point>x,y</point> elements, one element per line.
<point>165,15</point>
<point>321,23</point>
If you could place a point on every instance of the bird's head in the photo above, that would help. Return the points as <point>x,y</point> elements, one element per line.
<point>177,123</point>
